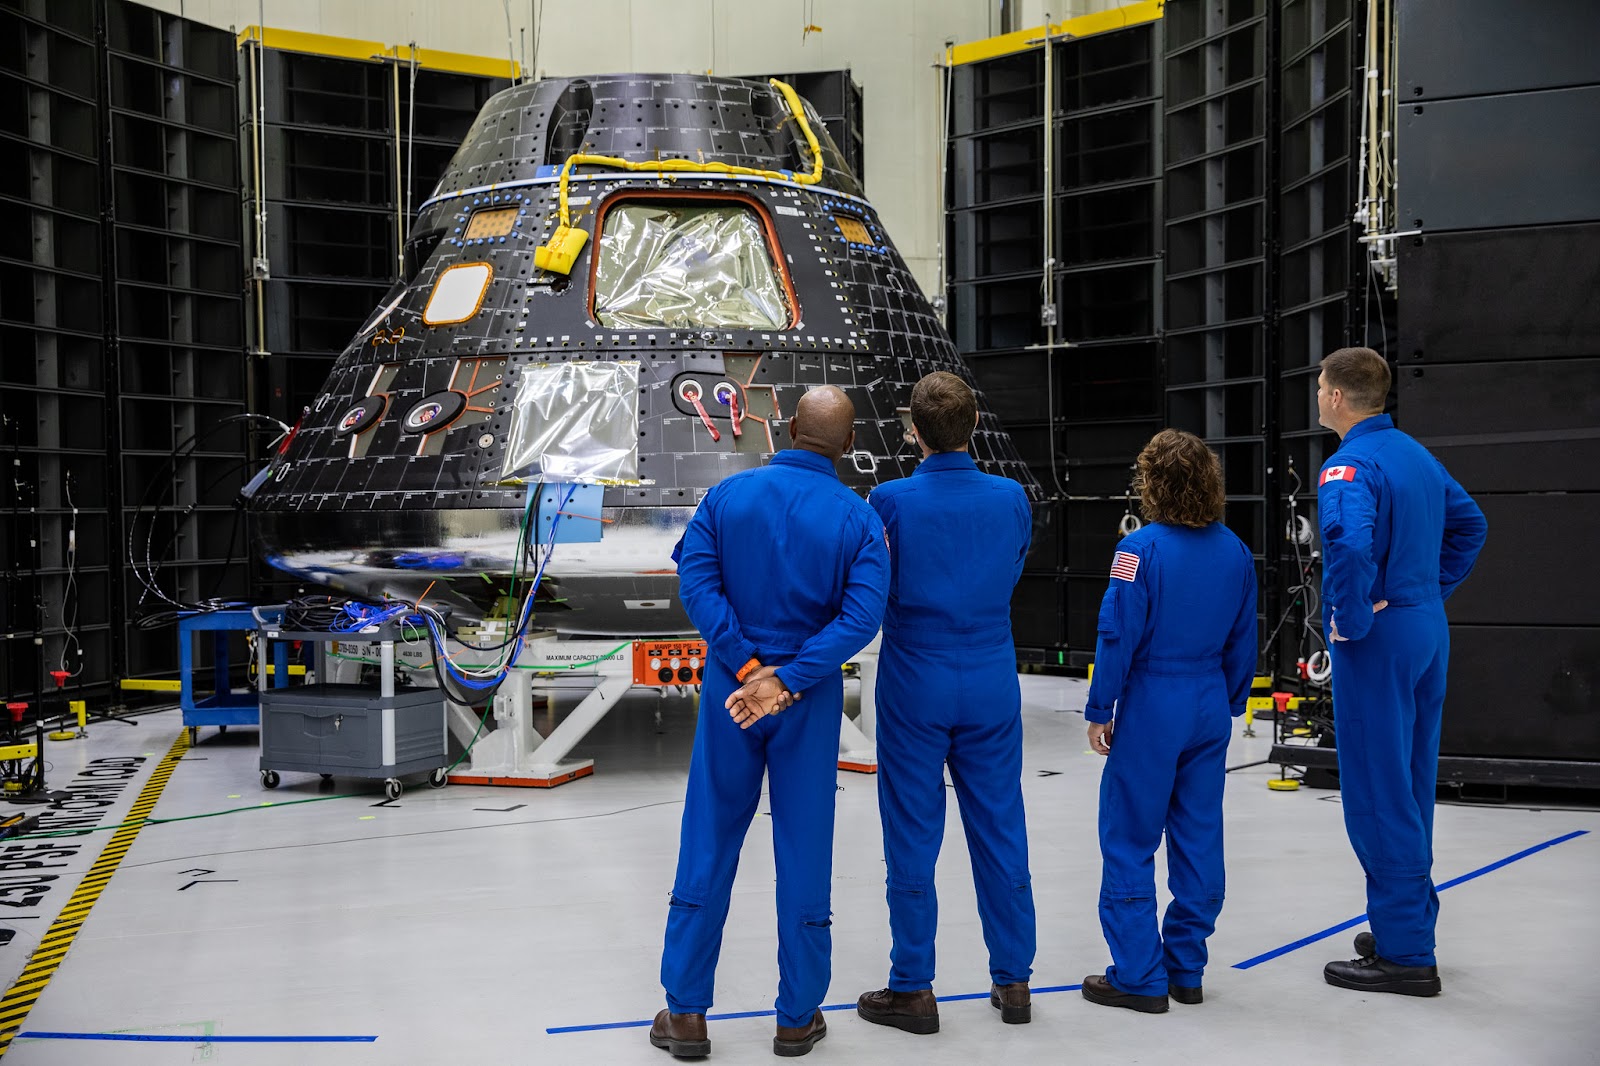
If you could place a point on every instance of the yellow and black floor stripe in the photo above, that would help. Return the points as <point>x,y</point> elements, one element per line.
<point>42,964</point>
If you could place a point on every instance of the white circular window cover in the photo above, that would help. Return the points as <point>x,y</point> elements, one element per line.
<point>457,294</point>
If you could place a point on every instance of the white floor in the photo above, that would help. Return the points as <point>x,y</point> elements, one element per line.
<point>462,925</point>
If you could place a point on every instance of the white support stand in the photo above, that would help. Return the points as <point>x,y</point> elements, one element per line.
<point>515,752</point>
<point>858,740</point>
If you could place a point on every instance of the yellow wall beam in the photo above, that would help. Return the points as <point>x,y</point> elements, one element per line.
<point>151,684</point>
<point>1116,18</point>
<point>320,44</point>
<point>460,62</point>
<point>323,44</point>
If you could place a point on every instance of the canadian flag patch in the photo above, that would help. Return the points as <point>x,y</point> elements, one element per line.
<point>1337,473</point>
<point>1125,566</point>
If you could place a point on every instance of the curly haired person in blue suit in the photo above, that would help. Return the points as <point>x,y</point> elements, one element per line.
<point>1173,663</point>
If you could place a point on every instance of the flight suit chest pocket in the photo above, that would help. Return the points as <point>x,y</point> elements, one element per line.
<point>1109,612</point>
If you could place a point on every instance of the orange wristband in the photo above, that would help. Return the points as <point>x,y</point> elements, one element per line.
<point>744,671</point>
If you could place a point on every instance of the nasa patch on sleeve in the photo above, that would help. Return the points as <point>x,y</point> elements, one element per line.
<point>1337,473</point>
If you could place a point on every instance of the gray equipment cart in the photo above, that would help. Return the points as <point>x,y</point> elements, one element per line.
<point>362,731</point>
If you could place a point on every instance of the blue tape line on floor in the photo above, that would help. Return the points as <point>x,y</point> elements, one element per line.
<point>772,1013</point>
<point>1361,918</point>
<point>1247,964</point>
<point>198,1039</point>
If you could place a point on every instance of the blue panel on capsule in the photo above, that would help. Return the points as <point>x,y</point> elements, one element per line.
<point>580,515</point>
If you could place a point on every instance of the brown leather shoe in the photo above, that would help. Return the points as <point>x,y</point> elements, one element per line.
<point>915,1012</point>
<point>1097,989</point>
<point>792,1043</point>
<point>682,1034</point>
<point>1014,1002</point>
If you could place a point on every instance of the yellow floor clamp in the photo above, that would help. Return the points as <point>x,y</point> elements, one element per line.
<point>81,709</point>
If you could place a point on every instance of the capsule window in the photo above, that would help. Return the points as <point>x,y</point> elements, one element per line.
<point>688,264</point>
<point>457,294</point>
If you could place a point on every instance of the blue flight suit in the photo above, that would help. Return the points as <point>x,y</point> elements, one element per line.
<point>1395,526</point>
<point>947,695</point>
<point>1175,658</point>
<point>784,564</point>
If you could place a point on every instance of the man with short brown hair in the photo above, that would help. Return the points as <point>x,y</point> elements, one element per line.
<point>948,696</point>
<point>1398,536</point>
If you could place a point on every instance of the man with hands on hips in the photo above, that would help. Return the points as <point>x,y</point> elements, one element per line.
<point>1398,536</point>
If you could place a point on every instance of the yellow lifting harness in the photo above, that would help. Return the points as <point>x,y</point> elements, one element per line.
<point>560,252</point>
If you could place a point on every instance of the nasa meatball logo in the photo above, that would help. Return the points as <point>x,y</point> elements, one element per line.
<point>360,417</point>
<point>434,412</point>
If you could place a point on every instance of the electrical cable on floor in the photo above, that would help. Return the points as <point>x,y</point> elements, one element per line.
<point>418,833</point>
<point>57,834</point>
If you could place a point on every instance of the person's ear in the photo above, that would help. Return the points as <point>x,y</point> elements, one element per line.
<point>849,443</point>
<point>794,434</point>
<point>976,417</point>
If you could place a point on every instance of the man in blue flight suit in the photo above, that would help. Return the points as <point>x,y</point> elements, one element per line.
<point>1398,535</point>
<point>784,571</point>
<point>1172,668</point>
<point>947,695</point>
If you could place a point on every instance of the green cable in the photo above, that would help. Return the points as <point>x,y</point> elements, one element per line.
<point>470,743</point>
<point>50,835</point>
<point>314,799</point>
<point>575,666</point>
<point>517,666</point>
<point>485,716</point>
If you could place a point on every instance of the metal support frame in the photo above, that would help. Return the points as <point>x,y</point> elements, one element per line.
<point>515,752</point>
<point>858,740</point>
<point>510,749</point>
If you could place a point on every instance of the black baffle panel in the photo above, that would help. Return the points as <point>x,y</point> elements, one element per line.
<point>1498,365</point>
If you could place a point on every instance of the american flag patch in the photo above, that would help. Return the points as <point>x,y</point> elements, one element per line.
<point>1337,473</point>
<point>1125,566</point>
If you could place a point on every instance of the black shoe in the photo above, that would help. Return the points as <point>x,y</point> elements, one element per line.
<point>1377,974</point>
<point>1097,989</point>
<point>684,1035</point>
<point>1366,947</point>
<point>793,1042</point>
<point>915,1012</point>
<point>1014,1002</point>
<point>1190,996</point>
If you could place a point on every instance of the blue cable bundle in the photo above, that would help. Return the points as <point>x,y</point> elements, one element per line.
<point>478,682</point>
<point>355,617</point>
